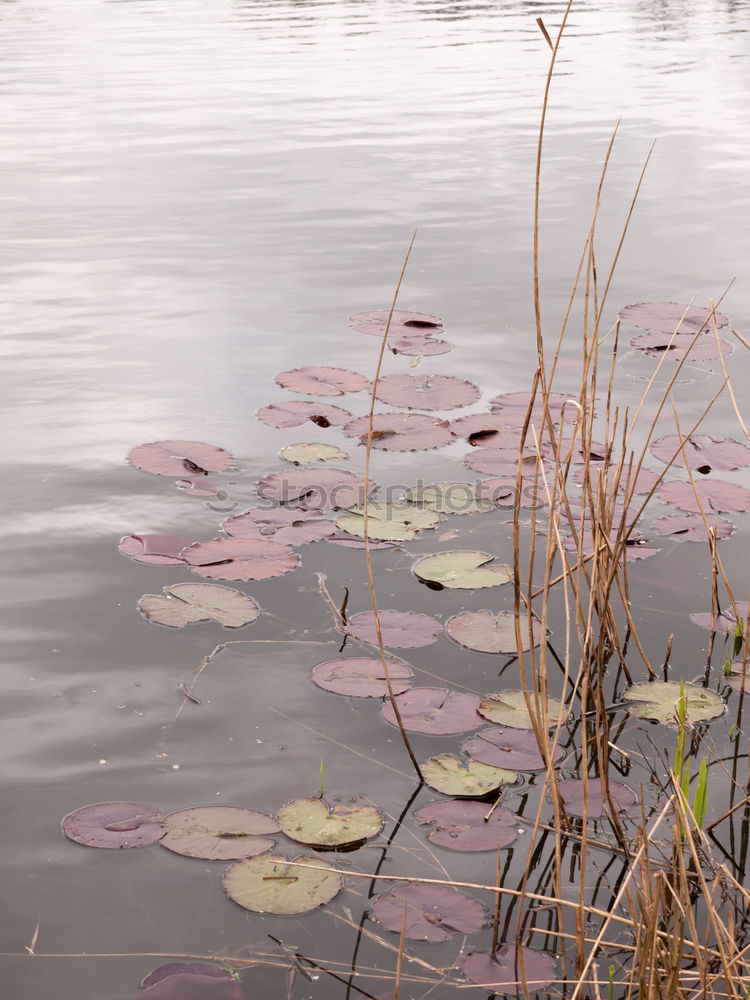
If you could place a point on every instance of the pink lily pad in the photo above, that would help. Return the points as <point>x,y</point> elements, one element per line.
<point>508,972</point>
<point>200,486</point>
<point>280,524</point>
<point>727,622</point>
<point>402,322</point>
<point>296,412</point>
<point>430,912</point>
<point>499,462</point>
<point>240,559</point>
<point>400,629</point>
<point>315,489</point>
<point>115,825</point>
<point>714,496</point>
<point>191,981</point>
<point>574,451</point>
<point>426,392</point>
<point>488,430</point>
<point>350,542</point>
<point>514,749</point>
<point>704,347</point>
<point>175,458</point>
<point>418,345</point>
<point>702,452</point>
<point>579,801</point>
<point>402,431</point>
<point>362,677</point>
<point>467,825</point>
<point>321,381</point>
<point>512,407</point>
<point>692,527</point>
<point>668,317</point>
<point>156,550</point>
<point>636,546</point>
<point>436,711</point>
<point>644,482</point>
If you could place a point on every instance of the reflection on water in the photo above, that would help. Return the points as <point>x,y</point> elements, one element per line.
<point>195,196</point>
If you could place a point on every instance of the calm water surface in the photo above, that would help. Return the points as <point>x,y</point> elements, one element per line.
<point>195,196</point>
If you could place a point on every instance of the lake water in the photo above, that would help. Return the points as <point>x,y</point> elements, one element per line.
<point>195,197</point>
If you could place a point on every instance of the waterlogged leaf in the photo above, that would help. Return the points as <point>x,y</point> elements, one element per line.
<point>191,981</point>
<point>175,458</point>
<point>693,527</point>
<point>426,392</point>
<point>156,550</point>
<point>315,489</point>
<point>487,632</point>
<point>489,430</point>
<point>620,480</point>
<point>728,622</point>
<point>350,542</point>
<point>449,498</point>
<point>200,486</point>
<point>114,825</point>
<point>463,825</point>
<point>503,746</point>
<point>713,496</point>
<point>508,708</point>
<point>287,526</point>
<point>219,833</point>
<point>402,322</point>
<point>574,452</point>
<point>579,801</point>
<point>400,629</point>
<point>362,677</point>
<point>388,521</point>
<point>513,406</point>
<point>321,381</point>
<point>428,912</point>
<point>295,413</point>
<point>738,676</point>
<point>636,547</point>
<point>418,345</point>
<point>402,431</point>
<point>671,317</point>
<point>702,452</point>
<point>462,570</point>
<point>270,884</point>
<point>436,711</point>
<point>659,700</point>
<point>511,971</point>
<point>701,348</point>
<point>186,603</point>
<point>499,462</point>
<point>307,452</point>
<point>312,821</point>
<point>240,559</point>
<point>463,777</point>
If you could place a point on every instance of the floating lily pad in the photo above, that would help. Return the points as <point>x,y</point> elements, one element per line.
<point>426,392</point>
<point>388,521</point>
<point>730,621</point>
<point>462,570</point>
<point>191,981</point>
<point>436,711</point>
<point>175,458</point>
<point>450,498</point>
<point>402,431</point>
<point>362,677</point>
<point>659,700</point>
<point>115,825</point>
<point>509,973</point>
<point>513,406</point>
<point>269,884</point>
<point>321,381</point>
<point>500,491</point>
<point>693,527</point>
<point>463,777</point>
<point>738,676</point>
<point>702,452</point>
<point>350,542</point>
<point>487,632</point>
<point>704,347</point>
<point>428,912</point>
<point>499,462</point>
<point>200,486</point>
<point>306,452</point>
<point>636,546</point>
<point>504,746</point>
<point>240,559</point>
<point>312,821</point>
<point>489,430</point>
<point>402,321</point>
<point>714,496</point>
<point>418,345</point>
<point>156,550</point>
<point>670,317</point>
<point>186,603</point>
<point>286,526</point>
<point>400,629</point>
<point>644,482</point>
<point>315,489</point>
<point>508,708</point>
<point>463,825</point>
<point>574,451</point>
<point>579,801</point>
<point>219,833</point>
<point>296,412</point>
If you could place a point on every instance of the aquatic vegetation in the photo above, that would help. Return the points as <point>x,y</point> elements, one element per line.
<point>187,603</point>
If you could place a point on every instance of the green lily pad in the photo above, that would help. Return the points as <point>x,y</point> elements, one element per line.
<point>220,833</point>
<point>305,452</point>
<point>389,522</point>
<point>508,708</point>
<point>462,571</point>
<point>487,632</point>
<point>659,700</point>
<point>186,603</point>
<point>312,821</point>
<point>463,777</point>
<point>269,884</point>
<point>450,498</point>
